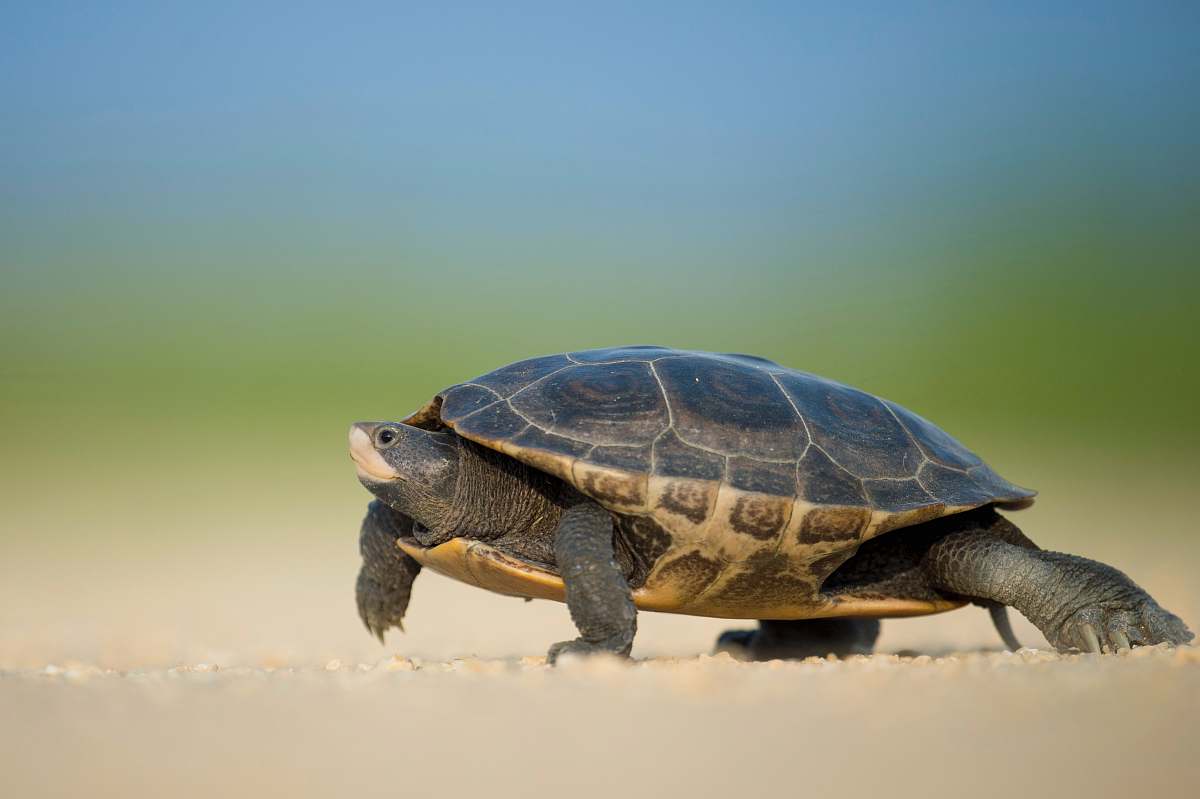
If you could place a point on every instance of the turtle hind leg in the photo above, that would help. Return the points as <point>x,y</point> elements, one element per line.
<point>1077,603</point>
<point>774,640</point>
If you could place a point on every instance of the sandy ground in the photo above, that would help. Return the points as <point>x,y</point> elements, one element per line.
<point>981,724</point>
<point>193,664</point>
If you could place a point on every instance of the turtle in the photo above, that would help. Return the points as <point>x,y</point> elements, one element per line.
<point>714,484</point>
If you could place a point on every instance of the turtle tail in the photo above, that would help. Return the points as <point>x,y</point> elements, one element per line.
<point>999,614</point>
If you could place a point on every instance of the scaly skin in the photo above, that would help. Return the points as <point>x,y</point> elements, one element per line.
<point>598,595</point>
<point>438,488</point>
<point>387,574</point>
<point>1077,603</point>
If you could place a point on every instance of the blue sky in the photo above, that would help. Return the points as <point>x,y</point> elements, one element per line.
<point>148,142</point>
<point>882,192</point>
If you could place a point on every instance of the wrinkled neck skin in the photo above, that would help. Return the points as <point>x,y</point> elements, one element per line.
<point>478,494</point>
<point>497,496</point>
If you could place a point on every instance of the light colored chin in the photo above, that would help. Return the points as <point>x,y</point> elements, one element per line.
<point>369,463</point>
<point>372,476</point>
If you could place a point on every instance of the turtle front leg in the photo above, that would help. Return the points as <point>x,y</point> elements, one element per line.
<point>1077,603</point>
<point>598,595</point>
<point>386,577</point>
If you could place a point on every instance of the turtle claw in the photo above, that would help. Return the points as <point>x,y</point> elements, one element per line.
<point>378,628</point>
<point>1112,629</point>
<point>379,607</point>
<point>375,629</point>
<point>378,631</point>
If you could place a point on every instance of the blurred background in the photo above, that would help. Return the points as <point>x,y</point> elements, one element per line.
<point>228,230</point>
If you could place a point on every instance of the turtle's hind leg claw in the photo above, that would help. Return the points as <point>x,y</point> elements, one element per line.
<point>1099,629</point>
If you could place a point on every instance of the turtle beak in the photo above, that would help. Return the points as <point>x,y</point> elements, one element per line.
<point>369,464</point>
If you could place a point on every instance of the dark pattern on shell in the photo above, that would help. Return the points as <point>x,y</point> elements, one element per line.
<point>534,437</point>
<point>607,419</point>
<point>509,379</point>
<point>610,487</point>
<point>907,518</point>
<point>629,459</point>
<point>760,516</point>
<point>821,482</point>
<point>689,574</point>
<point>673,458</point>
<point>898,494</point>
<point>832,523</point>
<point>767,578</point>
<point>647,542</point>
<point>826,565</point>
<point>549,452</point>
<point>854,428</point>
<point>937,445</point>
<point>461,401</point>
<point>764,477</point>
<point>996,486</point>
<point>691,499</point>
<point>950,486</point>
<point>495,422</point>
<point>731,408</point>
<point>603,404</point>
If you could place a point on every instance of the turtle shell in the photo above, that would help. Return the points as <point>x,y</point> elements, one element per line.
<point>745,482</point>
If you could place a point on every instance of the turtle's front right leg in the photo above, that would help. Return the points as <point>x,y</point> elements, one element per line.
<point>598,595</point>
<point>387,574</point>
<point>1077,603</point>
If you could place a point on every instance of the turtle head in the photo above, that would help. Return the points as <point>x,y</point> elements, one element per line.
<point>412,470</point>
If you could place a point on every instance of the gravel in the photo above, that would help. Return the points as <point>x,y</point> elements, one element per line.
<point>985,724</point>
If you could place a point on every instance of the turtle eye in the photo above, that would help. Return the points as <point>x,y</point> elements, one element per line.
<point>386,437</point>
